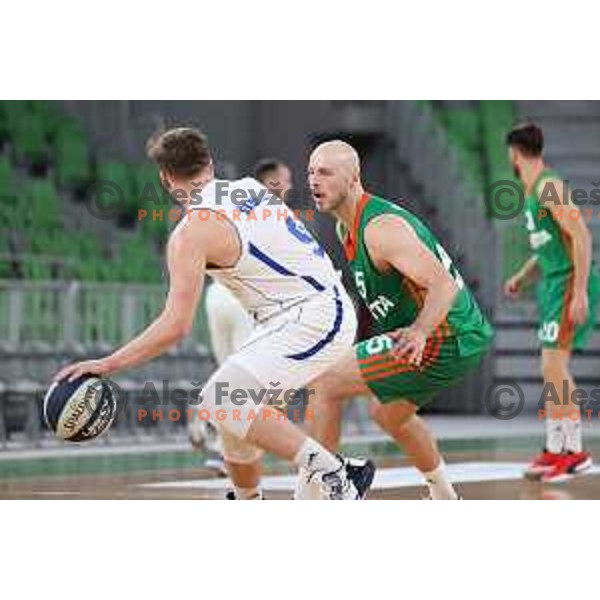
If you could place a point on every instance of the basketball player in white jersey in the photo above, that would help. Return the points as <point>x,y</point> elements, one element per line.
<point>229,325</point>
<point>269,261</point>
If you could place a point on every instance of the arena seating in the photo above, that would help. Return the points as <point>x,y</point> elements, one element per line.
<point>46,169</point>
<point>72,285</point>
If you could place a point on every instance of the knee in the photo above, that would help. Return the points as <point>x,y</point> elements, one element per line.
<point>394,417</point>
<point>238,451</point>
<point>377,413</point>
<point>553,368</point>
<point>323,393</point>
<point>546,368</point>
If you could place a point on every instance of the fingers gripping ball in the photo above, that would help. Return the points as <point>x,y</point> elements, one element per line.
<point>79,410</point>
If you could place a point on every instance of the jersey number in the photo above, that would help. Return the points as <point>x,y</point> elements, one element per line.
<point>379,344</point>
<point>359,279</point>
<point>549,332</point>
<point>299,231</point>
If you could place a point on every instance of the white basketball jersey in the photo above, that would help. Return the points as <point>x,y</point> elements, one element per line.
<point>281,263</point>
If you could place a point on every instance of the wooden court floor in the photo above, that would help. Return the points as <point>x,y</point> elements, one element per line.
<point>482,471</point>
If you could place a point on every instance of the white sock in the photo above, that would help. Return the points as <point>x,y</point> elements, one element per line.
<point>439,486</point>
<point>555,437</point>
<point>306,490</point>
<point>313,459</point>
<point>572,433</point>
<point>254,493</point>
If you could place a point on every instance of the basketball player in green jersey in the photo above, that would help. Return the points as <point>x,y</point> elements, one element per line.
<point>567,296</point>
<point>430,331</point>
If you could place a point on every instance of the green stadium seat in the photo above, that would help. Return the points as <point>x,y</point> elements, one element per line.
<point>39,129</point>
<point>42,204</point>
<point>7,183</point>
<point>34,268</point>
<point>141,264</point>
<point>53,117</point>
<point>29,139</point>
<point>73,169</point>
<point>147,192</point>
<point>118,174</point>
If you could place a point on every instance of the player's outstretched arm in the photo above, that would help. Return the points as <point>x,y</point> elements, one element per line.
<point>186,261</point>
<point>394,244</point>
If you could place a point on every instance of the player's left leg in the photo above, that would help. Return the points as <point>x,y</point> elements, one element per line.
<point>398,419</point>
<point>229,327</point>
<point>563,418</point>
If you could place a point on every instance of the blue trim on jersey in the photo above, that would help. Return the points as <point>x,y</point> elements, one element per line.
<point>270,262</point>
<point>313,282</point>
<point>339,315</point>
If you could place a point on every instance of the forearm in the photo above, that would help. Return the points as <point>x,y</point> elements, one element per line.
<point>437,304</point>
<point>582,258</point>
<point>529,269</point>
<point>152,342</point>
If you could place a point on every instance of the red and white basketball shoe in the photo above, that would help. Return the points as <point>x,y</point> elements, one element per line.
<point>545,461</point>
<point>569,465</point>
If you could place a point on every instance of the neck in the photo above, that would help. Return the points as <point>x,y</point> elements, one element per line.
<point>193,185</point>
<point>346,211</point>
<point>530,172</point>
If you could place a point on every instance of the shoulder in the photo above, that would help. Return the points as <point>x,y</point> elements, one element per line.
<point>549,185</point>
<point>386,227</point>
<point>192,229</point>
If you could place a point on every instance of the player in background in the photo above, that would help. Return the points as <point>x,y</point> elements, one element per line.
<point>430,331</point>
<point>276,176</point>
<point>230,326</point>
<point>567,295</point>
<point>305,322</point>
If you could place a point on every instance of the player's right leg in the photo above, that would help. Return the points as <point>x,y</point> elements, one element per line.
<point>244,467</point>
<point>251,424</point>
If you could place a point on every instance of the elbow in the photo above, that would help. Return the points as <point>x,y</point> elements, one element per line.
<point>452,287</point>
<point>178,329</point>
<point>580,233</point>
<point>182,329</point>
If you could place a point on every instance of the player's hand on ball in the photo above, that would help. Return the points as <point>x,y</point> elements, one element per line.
<point>86,367</point>
<point>579,308</point>
<point>409,343</point>
<point>512,288</point>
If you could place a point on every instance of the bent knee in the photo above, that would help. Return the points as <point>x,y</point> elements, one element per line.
<point>397,414</point>
<point>378,413</point>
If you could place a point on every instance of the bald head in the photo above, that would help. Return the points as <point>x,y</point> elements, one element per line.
<point>337,154</point>
<point>334,175</point>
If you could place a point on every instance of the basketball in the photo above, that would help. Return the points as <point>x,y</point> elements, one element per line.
<point>79,410</point>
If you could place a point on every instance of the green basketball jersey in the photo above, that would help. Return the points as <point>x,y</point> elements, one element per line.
<point>548,241</point>
<point>395,300</point>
